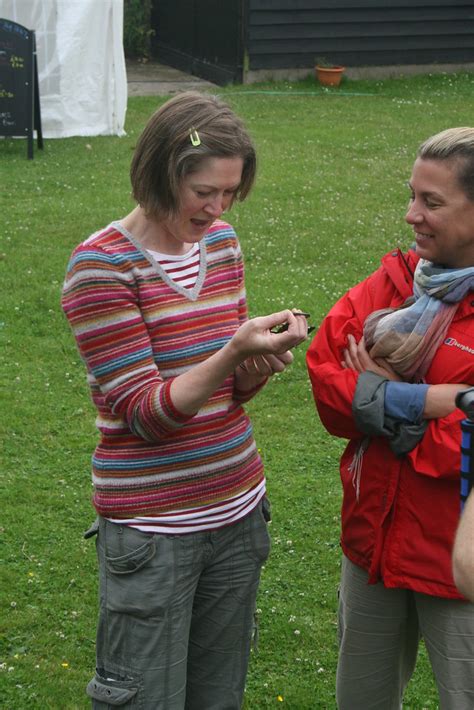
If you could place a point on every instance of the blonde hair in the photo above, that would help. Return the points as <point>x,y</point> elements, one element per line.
<point>457,146</point>
<point>178,137</point>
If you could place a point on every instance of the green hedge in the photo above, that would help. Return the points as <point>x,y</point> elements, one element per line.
<point>137,31</point>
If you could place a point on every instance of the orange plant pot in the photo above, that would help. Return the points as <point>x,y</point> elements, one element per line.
<point>329,76</point>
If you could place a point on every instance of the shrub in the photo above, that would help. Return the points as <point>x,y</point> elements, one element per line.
<point>137,31</point>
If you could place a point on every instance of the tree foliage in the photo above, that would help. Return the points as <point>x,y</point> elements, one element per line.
<point>137,30</point>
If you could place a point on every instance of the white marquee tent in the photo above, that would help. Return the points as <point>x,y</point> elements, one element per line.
<point>81,64</point>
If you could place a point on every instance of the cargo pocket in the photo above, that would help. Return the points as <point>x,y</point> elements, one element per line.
<point>133,561</point>
<point>107,692</point>
<point>137,580</point>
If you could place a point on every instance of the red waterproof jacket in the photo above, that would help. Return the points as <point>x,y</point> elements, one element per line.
<point>402,527</point>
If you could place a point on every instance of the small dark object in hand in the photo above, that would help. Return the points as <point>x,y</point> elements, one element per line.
<point>284,326</point>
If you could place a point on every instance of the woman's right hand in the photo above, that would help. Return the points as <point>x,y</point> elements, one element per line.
<point>254,337</point>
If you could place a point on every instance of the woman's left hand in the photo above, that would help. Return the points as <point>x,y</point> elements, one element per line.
<point>266,365</point>
<point>357,358</point>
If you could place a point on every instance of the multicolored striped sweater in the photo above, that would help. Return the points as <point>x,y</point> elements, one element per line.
<point>136,330</point>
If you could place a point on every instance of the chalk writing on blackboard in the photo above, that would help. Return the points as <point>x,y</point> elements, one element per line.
<point>15,28</point>
<point>6,119</point>
<point>19,93</point>
<point>17,62</point>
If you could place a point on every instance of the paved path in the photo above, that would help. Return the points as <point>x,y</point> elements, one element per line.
<point>154,79</point>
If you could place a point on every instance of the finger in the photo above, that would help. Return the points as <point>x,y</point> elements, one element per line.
<point>286,357</point>
<point>362,350</point>
<point>369,363</point>
<point>275,364</point>
<point>304,327</point>
<point>347,360</point>
<point>263,364</point>
<point>258,365</point>
<point>292,333</point>
<point>245,366</point>
<point>279,362</point>
<point>282,342</point>
<point>298,328</point>
<point>248,366</point>
<point>351,353</point>
<point>274,319</point>
<point>251,365</point>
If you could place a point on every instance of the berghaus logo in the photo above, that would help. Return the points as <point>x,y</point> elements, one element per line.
<point>452,342</point>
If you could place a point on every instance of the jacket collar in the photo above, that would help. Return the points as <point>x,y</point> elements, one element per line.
<point>400,268</point>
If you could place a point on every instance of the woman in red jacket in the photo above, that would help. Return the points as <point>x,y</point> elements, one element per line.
<point>385,377</point>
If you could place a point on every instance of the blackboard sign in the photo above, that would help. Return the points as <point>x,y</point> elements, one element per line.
<point>19,93</point>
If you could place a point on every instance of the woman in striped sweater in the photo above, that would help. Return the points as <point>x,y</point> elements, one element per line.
<point>158,309</point>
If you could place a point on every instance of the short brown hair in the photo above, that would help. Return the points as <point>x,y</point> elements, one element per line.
<point>165,154</point>
<point>457,146</point>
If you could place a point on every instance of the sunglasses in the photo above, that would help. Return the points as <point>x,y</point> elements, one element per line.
<point>282,328</point>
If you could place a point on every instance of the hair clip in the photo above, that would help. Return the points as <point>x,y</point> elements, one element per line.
<point>194,137</point>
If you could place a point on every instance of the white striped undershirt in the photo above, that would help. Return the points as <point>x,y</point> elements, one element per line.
<point>198,519</point>
<point>183,269</point>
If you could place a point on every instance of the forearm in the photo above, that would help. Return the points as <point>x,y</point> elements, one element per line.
<point>193,388</point>
<point>437,454</point>
<point>440,400</point>
<point>463,553</point>
<point>414,402</point>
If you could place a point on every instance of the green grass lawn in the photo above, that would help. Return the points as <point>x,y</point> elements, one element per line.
<point>329,202</point>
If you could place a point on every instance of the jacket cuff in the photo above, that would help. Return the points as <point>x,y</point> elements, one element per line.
<point>368,408</point>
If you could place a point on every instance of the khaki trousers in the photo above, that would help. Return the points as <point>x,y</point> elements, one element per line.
<point>379,633</point>
<point>176,616</point>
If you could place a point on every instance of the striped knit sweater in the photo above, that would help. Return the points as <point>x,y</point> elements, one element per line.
<point>136,330</point>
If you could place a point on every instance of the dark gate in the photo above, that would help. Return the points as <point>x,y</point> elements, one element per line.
<point>202,37</point>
